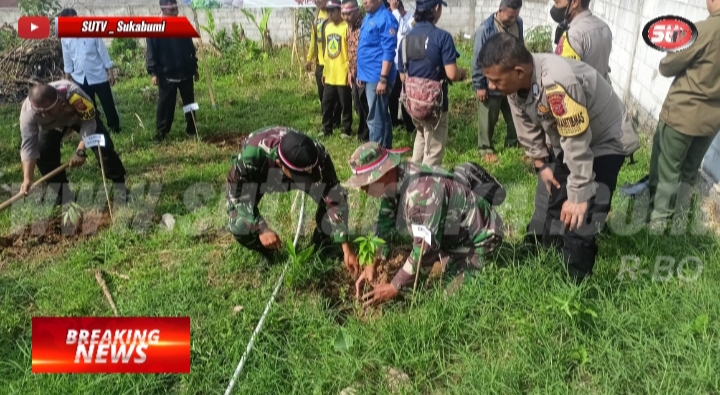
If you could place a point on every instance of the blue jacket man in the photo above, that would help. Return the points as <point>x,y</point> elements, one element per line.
<point>376,67</point>
<point>491,103</point>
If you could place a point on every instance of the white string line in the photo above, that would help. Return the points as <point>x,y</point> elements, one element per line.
<point>270,302</point>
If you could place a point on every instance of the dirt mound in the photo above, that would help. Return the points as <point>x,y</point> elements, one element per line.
<point>51,236</point>
<point>229,141</point>
<point>26,63</point>
<point>340,290</point>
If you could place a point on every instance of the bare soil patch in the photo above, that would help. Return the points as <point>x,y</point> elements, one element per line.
<point>339,290</point>
<point>228,141</point>
<point>50,236</point>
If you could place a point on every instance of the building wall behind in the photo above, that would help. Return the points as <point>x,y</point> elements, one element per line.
<point>634,66</point>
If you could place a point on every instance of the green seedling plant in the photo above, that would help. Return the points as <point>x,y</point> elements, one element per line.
<point>573,306</point>
<point>368,248</point>
<point>367,251</point>
<point>72,215</point>
<point>298,261</point>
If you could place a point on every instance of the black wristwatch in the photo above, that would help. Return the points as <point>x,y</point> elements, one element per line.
<point>81,153</point>
<point>383,79</point>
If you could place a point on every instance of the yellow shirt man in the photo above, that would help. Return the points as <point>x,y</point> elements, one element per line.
<point>316,39</point>
<point>336,53</point>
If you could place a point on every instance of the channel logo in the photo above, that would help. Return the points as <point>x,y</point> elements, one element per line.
<point>33,27</point>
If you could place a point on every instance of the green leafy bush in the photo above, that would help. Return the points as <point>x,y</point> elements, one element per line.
<point>128,57</point>
<point>48,8</point>
<point>539,39</point>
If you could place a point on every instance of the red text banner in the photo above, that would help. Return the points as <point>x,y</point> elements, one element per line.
<point>111,345</point>
<point>125,27</point>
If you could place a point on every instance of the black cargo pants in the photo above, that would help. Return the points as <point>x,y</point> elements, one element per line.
<point>50,142</point>
<point>579,246</point>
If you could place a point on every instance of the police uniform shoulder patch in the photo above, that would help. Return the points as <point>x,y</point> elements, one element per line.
<point>83,106</point>
<point>571,117</point>
<point>564,49</point>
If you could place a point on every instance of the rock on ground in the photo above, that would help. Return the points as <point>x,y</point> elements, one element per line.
<point>396,380</point>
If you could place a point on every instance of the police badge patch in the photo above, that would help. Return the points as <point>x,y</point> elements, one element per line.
<point>572,118</point>
<point>556,103</point>
<point>334,45</point>
<point>83,106</point>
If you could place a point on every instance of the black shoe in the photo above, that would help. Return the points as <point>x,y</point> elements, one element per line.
<point>120,194</point>
<point>577,277</point>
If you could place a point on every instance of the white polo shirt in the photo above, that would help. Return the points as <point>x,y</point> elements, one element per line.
<point>86,58</point>
<point>405,25</point>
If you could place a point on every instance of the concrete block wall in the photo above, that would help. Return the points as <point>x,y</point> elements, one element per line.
<point>634,65</point>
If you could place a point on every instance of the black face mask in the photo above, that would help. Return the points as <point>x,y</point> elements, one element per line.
<point>559,15</point>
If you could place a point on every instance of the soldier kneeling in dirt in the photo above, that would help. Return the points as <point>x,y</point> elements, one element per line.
<point>279,159</point>
<point>48,113</point>
<point>463,225</point>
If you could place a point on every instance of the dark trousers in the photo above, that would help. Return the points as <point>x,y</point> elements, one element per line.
<point>104,93</point>
<point>362,110</point>
<point>536,227</point>
<point>50,142</point>
<point>579,246</point>
<point>167,96</point>
<point>332,95</point>
<point>395,106</point>
<point>337,112</point>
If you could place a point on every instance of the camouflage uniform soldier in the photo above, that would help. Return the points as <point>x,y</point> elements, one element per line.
<point>463,227</point>
<point>279,159</point>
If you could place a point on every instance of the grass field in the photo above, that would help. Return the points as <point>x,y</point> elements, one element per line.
<point>516,329</point>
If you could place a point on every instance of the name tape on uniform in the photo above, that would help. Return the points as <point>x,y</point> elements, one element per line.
<point>572,117</point>
<point>422,232</point>
<point>94,140</point>
<point>191,107</point>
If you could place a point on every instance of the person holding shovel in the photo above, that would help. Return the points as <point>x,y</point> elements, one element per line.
<point>48,113</point>
<point>462,228</point>
<point>280,159</point>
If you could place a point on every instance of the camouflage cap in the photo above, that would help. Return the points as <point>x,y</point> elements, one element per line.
<point>370,162</point>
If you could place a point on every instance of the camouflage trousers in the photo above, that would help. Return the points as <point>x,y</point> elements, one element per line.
<point>462,259</point>
<point>459,259</point>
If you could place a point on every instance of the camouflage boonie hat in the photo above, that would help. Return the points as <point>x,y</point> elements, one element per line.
<point>370,162</point>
